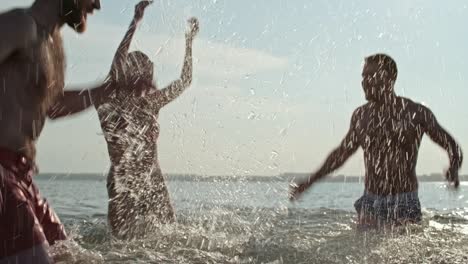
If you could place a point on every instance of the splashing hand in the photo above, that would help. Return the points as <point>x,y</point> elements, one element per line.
<point>451,175</point>
<point>140,9</point>
<point>296,189</point>
<point>194,27</point>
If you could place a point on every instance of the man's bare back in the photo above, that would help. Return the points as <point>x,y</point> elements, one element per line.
<point>389,129</point>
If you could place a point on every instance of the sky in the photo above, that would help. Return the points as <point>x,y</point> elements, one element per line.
<point>275,82</point>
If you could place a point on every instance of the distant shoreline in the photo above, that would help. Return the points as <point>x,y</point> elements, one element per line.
<point>285,177</point>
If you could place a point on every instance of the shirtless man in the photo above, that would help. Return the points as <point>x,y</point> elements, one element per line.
<point>32,68</point>
<point>389,128</point>
<point>138,196</point>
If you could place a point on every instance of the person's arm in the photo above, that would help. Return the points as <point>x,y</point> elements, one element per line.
<point>335,159</point>
<point>76,101</point>
<point>18,30</point>
<point>177,87</point>
<point>122,51</point>
<point>442,138</point>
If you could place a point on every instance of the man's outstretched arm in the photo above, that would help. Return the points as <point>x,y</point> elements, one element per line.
<point>76,101</point>
<point>335,159</point>
<point>440,136</point>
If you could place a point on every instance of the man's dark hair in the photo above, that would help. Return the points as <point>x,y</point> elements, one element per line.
<point>385,63</point>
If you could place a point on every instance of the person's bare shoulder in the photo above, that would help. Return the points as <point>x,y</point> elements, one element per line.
<point>360,112</point>
<point>418,112</point>
<point>17,29</point>
<point>407,104</point>
<point>362,108</point>
<point>412,104</point>
<point>19,19</point>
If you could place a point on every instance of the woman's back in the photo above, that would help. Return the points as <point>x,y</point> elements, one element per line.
<point>131,131</point>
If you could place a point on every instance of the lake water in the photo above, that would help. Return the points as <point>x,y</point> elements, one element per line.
<point>253,222</point>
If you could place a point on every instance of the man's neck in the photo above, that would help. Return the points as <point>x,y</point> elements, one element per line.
<point>46,13</point>
<point>387,100</point>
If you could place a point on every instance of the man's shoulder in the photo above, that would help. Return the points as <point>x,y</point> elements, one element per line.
<point>361,109</point>
<point>359,113</point>
<point>419,112</point>
<point>18,25</point>
<point>412,105</point>
<point>18,17</point>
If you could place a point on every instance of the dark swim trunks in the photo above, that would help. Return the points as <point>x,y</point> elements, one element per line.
<point>390,209</point>
<point>26,220</point>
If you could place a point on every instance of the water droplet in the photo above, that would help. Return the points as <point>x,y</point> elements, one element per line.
<point>283,132</point>
<point>274,154</point>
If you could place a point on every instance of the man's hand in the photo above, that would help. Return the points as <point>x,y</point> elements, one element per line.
<point>194,27</point>
<point>140,9</point>
<point>296,189</point>
<point>452,177</point>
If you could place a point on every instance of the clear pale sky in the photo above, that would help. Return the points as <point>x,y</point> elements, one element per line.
<point>275,82</point>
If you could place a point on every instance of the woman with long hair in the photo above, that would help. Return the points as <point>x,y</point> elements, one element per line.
<point>138,197</point>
